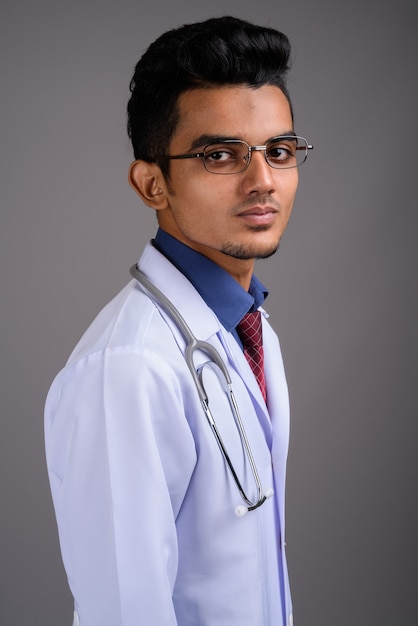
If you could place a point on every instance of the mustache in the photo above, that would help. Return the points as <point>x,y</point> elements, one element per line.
<point>264,200</point>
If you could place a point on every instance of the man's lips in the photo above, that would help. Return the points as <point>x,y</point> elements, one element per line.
<point>258,210</point>
<point>259,215</point>
<point>263,205</point>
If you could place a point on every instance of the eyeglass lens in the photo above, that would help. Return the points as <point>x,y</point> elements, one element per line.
<point>233,156</point>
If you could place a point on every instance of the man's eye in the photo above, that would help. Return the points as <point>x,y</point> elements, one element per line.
<point>281,152</point>
<point>220,155</point>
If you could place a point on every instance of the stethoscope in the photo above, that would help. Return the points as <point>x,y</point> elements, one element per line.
<point>193,344</point>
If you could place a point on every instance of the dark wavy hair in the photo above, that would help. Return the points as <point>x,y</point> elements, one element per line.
<point>216,52</point>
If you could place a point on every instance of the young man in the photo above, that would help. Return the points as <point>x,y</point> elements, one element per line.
<point>166,515</point>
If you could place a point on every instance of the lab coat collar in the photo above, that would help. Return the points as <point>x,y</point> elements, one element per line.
<point>166,277</point>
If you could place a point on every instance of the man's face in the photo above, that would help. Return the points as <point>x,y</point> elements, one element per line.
<point>230,218</point>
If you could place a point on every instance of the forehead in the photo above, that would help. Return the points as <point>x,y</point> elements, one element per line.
<point>242,112</point>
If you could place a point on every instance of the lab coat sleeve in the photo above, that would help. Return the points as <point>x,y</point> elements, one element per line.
<point>120,456</point>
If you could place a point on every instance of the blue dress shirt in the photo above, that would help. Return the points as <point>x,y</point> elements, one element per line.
<point>222,293</point>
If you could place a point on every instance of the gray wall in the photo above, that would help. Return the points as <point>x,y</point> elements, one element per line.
<point>344,286</point>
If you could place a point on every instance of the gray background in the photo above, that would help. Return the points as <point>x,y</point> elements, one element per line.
<point>343,286</point>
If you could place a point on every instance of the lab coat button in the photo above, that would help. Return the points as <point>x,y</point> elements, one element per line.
<point>291,619</point>
<point>76,620</point>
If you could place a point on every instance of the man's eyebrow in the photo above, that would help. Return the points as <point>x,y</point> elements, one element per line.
<point>286,133</point>
<point>204,140</point>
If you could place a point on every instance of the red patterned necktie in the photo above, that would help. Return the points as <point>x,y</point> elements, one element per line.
<point>250,332</point>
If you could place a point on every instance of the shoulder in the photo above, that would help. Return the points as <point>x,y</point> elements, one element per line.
<point>123,322</point>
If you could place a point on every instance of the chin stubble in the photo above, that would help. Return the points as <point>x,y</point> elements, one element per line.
<point>246,252</point>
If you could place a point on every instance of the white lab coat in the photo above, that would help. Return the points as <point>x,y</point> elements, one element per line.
<point>144,504</point>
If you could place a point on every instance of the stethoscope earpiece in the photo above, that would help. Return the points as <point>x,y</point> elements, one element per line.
<point>241,510</point>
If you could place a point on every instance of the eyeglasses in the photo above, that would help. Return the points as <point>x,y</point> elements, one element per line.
<point>233,156</point>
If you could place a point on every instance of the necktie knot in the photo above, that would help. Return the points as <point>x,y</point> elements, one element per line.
<point>250,332</point>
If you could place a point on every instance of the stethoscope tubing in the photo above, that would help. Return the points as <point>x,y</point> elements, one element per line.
<point>193,344</point>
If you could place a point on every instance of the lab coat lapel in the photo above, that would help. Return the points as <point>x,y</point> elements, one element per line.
<point>278,401</point>
<point>277,392</point>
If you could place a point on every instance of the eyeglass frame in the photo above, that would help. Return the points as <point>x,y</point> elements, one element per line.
<point>247,158</point>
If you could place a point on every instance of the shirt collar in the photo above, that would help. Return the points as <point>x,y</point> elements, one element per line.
<point>222,293</point>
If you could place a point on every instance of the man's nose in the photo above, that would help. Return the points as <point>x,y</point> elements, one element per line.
<point>259,176</point>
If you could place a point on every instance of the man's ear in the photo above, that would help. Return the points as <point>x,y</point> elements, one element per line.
<point>148,182</point>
